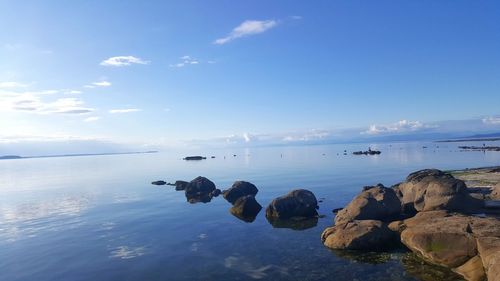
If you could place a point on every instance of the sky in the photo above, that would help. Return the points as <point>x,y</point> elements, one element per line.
<point>174,73</point>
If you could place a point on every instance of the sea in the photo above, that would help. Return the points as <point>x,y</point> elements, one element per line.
<point>100,218</point>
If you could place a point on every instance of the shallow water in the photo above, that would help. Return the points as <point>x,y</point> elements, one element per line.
<point>99,218</point>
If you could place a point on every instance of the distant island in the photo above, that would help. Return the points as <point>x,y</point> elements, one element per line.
<point>482,137</point>
<point>6,157</point>
<point>10,157</point>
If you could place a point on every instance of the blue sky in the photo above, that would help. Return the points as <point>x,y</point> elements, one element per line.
<point>177,72</point>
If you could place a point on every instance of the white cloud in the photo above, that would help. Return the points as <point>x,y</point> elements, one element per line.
<point>398,127</point>
<point>98,84</point>
<point>10,85</point>
<point>124,110</point>
<point>185,61</point>
<point>296,17</point>
<point>123,61</point>
<point>491,120</point>
<point>247,28</point>
<point>91,119</point>
<point>33,103</point>
<point>73,92</point>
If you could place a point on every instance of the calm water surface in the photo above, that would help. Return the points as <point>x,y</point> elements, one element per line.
<point>99,218</point>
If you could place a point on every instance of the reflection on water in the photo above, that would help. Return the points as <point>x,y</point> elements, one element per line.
<point>28,219</point>
<point>125,252</point>
<point>101,218</point>
<point>294,223</point>
<point>253,270</point>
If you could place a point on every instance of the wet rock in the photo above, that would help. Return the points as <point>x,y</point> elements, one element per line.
<point>160,182</point>
<point>216,193</point>
<point>239,189</point>
<point>246,208</point>
<point>432,189</point>
<point>374,203</point>
<point>359,235</point>
<point>472,270</point>
<point>297,203</point>
<point>199,190</point>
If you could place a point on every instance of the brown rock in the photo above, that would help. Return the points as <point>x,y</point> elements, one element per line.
<point>297,203</point>
<point>472,270</point>
<point>440,238</point>
<point>495,192</point>
<point>239,189</point>
<point>397,226</point>
<point>431,189</point>
<point>489,250</point>
<point>359,235</point>
<point>374,203</point>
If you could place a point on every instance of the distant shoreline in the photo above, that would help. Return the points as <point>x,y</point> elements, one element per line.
<point>474,139</point>
<point>14,157</point>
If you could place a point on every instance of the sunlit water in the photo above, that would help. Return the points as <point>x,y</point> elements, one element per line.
<point>99,218</point>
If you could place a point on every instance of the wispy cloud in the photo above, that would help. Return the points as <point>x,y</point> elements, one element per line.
<point>11,85</point>
<point>91,119</point>
<point>491,120</point>
<point>124,110</point>
<point>247,28</point>
<point>98,84</point>
<point>33,103</point>
<point>398,127</point>
<point>119,61</point>
<point>185,61</point>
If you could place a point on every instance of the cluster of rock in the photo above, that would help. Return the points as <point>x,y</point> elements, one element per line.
<point>428,213</point>
<point>290,210</point>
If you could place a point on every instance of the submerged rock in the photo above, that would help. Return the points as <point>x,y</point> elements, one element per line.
<point>240,189</point>
<point>297,203</point>
<point>246,208</point>
<point>160,182</point>
<point>359,235</point>
<point>374,203</point>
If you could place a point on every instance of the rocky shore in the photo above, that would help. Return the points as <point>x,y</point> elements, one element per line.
<point>447,218</point>
<point>434,215</point>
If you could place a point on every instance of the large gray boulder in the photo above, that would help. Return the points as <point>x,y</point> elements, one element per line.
<point>432,189</point>
<point>239,189</point>
<point>374,203</point>
<point>359,235</point>
<point>297,203</point>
